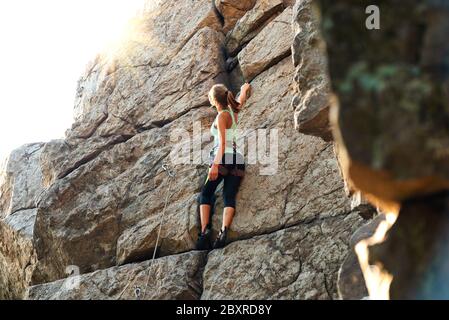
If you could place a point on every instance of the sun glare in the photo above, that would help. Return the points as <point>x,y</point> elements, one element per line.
<point>377,279</point>
<point>46,46</point>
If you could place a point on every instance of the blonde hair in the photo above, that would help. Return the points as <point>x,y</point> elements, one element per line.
<point>224,97</point>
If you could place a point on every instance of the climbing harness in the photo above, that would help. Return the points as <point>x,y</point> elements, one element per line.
<point>223,170</point>
<point>233,172</point>
<point>137,289</point>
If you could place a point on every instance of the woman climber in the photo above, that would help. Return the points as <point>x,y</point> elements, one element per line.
<point>227,164</point>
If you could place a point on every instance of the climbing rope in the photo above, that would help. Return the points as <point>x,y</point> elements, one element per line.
<point>137,289</point>
<point>171,175</point>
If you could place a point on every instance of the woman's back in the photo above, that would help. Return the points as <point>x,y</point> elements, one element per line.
<point>231,133</point>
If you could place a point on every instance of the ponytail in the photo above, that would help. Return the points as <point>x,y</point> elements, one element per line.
<point>232,102</point>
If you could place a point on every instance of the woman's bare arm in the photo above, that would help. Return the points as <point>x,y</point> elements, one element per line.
<point>243,96</point>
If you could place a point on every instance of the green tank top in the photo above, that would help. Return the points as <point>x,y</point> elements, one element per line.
<point>231,134</point>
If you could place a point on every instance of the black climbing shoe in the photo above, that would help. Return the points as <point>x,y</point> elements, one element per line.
<point>203,242</point>
<point>221,239</point>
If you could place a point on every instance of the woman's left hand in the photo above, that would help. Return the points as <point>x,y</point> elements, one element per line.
<point>246,89</point>
<point>213,172</point>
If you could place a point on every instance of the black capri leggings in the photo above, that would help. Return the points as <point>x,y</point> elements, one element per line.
<point>231,183</point>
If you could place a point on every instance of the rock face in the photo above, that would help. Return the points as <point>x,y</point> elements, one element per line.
<point>390,119</point>
<point>300,262</point>
<point>170,278</point>
<point>17,262</point>
<point>140,99</point>
<point>232,11</point>
<point>21,180</point>
<point>21,184</point>
<point>351,283</point>
<point>306,183</point>
<point>121,216</point>
<point>270,46</point>
<point>113,161</point>
<point>406,80</point>
<point>23,222</point>
<point>415,250</point>
<point>250,24</point>
<point>102,190</point>
<point>312,86</point>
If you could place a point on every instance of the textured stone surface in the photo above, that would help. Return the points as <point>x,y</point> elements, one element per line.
<point>312,86</point>
<point>134,76</point>
<point>169,278</point>
<point>66,216</point>
<point>289,3</point>
<point>232,11</point>
<point>116,216</point>
<point>17,262</point>
<point>362,206</point>
<point>21,179</point>
<point>251,23</point>
<point>415,250</point>
<point>140,98</point>
<point>115,147</point>
<point>351,283</point>
<point>21,185</point>
<point>295,263</point>
<point>393,138</point>
<point>23,222</point>
<point>270,46</point>
<point>395,134</point>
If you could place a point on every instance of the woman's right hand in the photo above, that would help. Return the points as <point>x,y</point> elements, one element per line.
<point>213,172</point>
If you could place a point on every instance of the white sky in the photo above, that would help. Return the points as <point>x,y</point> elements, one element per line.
<point>44,48</point>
